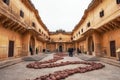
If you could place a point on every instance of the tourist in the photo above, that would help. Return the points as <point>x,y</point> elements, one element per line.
<point>70,50</point>
<point>36,50</point>
<point>31,51</point>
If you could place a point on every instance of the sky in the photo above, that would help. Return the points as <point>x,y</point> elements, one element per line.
<point>61,14</point>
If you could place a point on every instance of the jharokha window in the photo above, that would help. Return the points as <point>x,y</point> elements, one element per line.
<point>39,30</point>
<point>81,30</point>
<point>21,13</point>
<point>33,24</point>
<point>6,1</point>
<point>102,13</point>
<point>118,1</point>
<point>88,24</point>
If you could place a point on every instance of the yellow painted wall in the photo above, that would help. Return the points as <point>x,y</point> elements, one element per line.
<point>111,10</point>
<point>5,36</point>
<point>65,37</point>
<point>109,36</point>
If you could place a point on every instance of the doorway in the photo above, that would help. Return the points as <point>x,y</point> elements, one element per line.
<point>11,49</point>
<point>60,49</point>
<point>90,45</point>
<point>32,45</point>
<point>112,49</point>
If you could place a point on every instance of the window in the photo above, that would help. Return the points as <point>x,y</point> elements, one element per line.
<point>88,24</point>
<point>60,38</point>
<point>49,38</point>
<point>6,1</point>
<point>76,34</point>
<point>39,30</point>
<point>33,24</point>
<point>81,30</point>
<point>102,13</point>
<point>118,1</point>
<point>74,37</point>
<point>21,13</point>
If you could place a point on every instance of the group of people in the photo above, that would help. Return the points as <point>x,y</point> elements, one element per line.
<point>71,50</point>
<point>32,51</point>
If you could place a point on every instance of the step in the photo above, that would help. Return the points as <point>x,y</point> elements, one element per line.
<point>87,57</point>
<point>34,58</point>
<point>110,61</point>
<point>12,61</point>
<point>9,62</point>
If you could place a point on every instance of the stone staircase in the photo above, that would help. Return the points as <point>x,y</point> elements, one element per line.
<point>10,62</point>
<point>87,57</point>
<point>34,57</point>
<point>110,61</point>
<point>94,58</point>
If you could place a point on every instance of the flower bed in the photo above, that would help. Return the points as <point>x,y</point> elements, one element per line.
<point>62,74</point>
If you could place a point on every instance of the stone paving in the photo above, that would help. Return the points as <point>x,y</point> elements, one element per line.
<point>20,72</point>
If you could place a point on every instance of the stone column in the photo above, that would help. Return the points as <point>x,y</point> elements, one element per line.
<point>64,47</point>
<point>76,45</point>
<point>26,44</point>
<point>97,44</point>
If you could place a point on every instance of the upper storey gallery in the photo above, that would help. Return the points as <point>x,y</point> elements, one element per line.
<point>24,12</point>
<point>99,13</point>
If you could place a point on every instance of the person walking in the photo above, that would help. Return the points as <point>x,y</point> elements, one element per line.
<point>31,51</point>
<point>36,50</point>
<point>70,50</point>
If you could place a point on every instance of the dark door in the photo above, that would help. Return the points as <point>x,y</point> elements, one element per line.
<point>60,48</point>
<point>112,49</point>
<point>11,49</point>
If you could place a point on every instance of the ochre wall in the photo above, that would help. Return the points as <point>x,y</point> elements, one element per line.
<point>64,37</point>
<point>5,36</point>
<point>111,10</point>
<point>110,36</point>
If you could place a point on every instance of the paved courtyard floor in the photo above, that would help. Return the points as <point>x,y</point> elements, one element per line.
<point>20,72</point>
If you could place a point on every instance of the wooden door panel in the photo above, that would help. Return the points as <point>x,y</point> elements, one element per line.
<point>112,49</point>
<point>11,49</point>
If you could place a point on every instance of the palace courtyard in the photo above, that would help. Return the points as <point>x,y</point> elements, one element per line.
<point>19,71</point>
<point>31,49</point>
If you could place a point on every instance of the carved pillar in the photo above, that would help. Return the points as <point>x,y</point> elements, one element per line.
<point>97,44</point>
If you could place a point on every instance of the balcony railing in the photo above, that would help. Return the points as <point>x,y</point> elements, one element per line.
<point>12,14</point>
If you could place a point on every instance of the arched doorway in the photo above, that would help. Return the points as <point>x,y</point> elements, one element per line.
<point>32,45</point>
<point>60,48</point>
<point>90,45</point>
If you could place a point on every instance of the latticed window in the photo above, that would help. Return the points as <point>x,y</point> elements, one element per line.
<point>39,30</point>
<point>88,24</point>
<point>6,1</point>
<point>33,24</point>
<point>21,13</point>
<point>81,30</point>
<point>102,13</point>
<point>118,1</point>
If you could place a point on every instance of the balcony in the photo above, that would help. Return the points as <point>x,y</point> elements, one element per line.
<point>10,19</point>
<point>111,25</point>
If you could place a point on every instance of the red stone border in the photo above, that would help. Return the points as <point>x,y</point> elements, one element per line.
<point>62,74</point>
<point>38,65</point>
<point>57,75</point>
